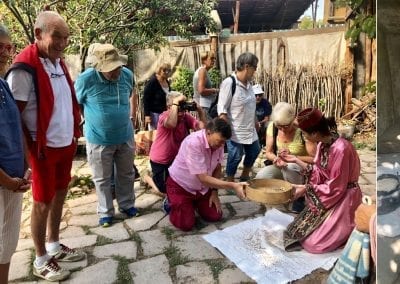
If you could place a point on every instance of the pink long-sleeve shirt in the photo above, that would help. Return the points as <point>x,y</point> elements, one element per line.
<point>195,157</point>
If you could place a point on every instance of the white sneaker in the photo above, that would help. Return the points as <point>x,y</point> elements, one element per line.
<point>66,254</point>
<point>51,271</point>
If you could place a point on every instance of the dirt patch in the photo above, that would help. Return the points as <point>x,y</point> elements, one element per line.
<point>364,140</point>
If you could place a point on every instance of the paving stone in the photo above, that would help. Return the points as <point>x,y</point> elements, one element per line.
<point>151,270</point>
<point>246,208</point>
<point>369,158</point>
<point>234,276</point>
<point>194,273</point>
<point>368,189</point>
<point>20,265</point>
<point>86,199</point>
<point>102,272</point>
<point>84,220</point>
<point>145,200</point>
<point>362,180</point>
<point>84,171</point>
<point>145,222</point>
<point>75,265</point>
<point>125,249</point>
<point>153,242</point>
<point>63,225</point>
<point>24,244</point>
<point>196,248</point>
<point>229,198</point>
<point>371,178</point>
<point>209,229</point>
<point>116,232</point>
<point>71,232</point>
<point>230,223</point>
<point>80,242</point>
<point>369,170</point>
<point>90,208</point>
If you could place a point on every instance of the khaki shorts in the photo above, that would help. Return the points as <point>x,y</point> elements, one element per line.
<point>10,219</point>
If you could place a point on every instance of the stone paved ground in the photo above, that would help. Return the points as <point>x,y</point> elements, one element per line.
<point>148,249</point>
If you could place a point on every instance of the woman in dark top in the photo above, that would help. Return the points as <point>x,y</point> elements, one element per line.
<point>263,112</point>
<point>154,96</point>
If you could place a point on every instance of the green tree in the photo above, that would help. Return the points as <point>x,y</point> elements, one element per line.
<point>128,24</point>
<point>306,23</point>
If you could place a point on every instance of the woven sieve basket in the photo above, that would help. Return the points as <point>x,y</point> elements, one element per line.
<point>269,191</point>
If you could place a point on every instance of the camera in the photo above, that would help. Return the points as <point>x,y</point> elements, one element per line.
<point>189,106</point>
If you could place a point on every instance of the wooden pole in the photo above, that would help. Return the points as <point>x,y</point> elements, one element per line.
<point>214,48</point>
<point>236,20</point>
<point>348,91</point>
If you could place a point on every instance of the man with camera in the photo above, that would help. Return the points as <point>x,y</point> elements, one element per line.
<point>174,125</point>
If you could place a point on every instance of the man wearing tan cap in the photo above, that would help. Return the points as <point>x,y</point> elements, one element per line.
<point>104,92</point>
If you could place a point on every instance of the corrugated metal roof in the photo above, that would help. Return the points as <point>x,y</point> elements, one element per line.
<point>262,15</point>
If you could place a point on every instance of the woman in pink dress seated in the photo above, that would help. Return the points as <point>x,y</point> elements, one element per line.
<point>331,189</point>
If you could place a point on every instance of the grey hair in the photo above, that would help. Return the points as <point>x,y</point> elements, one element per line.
<point>283,113</point>
<point>4,31</point>
<point>246,58</point>
<point>171,96</point>
<point>44,18</point>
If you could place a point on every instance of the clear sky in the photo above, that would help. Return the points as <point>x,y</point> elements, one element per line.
<point>320,10</point>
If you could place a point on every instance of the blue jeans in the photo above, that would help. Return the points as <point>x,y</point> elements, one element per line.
<point>235,154</point>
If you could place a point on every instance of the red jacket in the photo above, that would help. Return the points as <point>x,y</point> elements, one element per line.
<point>28,60</point>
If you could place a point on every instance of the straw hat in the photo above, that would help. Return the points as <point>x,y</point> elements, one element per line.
<point>107,58</point>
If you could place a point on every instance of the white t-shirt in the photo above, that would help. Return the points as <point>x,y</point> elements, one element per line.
<point>61,127</point>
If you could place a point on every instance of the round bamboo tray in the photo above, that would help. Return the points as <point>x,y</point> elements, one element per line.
<point>269,191</point>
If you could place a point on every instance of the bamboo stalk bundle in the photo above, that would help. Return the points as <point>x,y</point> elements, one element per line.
<point>307,86</point>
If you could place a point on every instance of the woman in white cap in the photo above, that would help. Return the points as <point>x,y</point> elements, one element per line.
<point>263,112</point>
<point>283,136</point>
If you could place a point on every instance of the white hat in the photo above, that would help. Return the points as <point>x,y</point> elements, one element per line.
<point>257,89</point>
<point>107,58</point>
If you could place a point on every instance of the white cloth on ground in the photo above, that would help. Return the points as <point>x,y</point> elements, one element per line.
<point>256,247</point>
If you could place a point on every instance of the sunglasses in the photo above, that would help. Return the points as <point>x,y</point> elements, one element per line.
<point>6,47</point>
<point>259,95</point>
<point>283,126</point>
<point>167,70</point>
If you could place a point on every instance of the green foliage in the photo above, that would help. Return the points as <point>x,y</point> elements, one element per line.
<point>362,22</point>
<point>183,81</point>
<point>174,256</point>
<point>370,88</point>
<point>215,77</point>
<point>306,23</point>
<point>128,24</point>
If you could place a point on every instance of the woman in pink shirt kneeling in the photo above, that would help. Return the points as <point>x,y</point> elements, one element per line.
<point>194,176</point>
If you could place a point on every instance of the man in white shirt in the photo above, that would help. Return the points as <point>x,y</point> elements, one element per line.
<point>239,109</point>
<point>45,96</point>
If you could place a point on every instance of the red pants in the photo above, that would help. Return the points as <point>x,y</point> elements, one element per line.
<point>51,173</point>
<point>183,205</point>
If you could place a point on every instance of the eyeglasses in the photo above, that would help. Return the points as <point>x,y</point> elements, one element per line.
<point>167,70</point>
<point>283,126</point>
<point>6,47</point>
<point>55,75</point>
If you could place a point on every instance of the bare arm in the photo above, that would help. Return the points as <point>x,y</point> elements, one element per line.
<point>216,183</point>
<point>133,103</point>
<point>172,119</point>
<point>201,85</point>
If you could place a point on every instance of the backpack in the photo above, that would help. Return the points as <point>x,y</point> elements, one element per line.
<point>213,110</point>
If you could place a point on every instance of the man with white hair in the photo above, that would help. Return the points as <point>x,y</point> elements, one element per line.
<point>105,93</point>
<point>45,96</point>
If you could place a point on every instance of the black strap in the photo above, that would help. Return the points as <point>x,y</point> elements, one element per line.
<point>274,136</point>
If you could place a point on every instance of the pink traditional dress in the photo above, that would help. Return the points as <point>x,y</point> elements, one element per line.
<point>332,195</point>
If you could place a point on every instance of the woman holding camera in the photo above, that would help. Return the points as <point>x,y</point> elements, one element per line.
<point>173,126</point>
